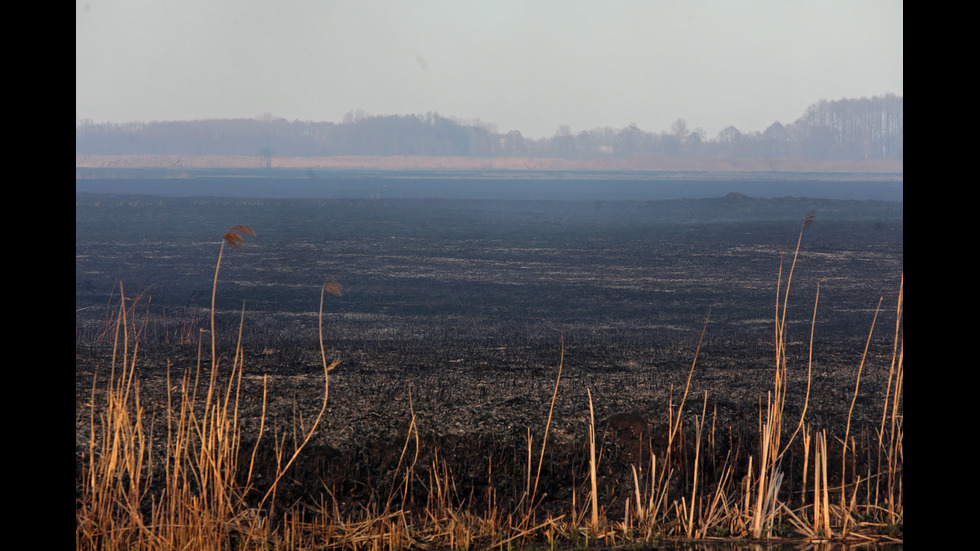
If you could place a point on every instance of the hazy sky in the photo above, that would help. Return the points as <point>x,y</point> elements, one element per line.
<point>528,65</point>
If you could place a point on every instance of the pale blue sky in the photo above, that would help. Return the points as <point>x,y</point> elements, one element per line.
<point>521,65</point>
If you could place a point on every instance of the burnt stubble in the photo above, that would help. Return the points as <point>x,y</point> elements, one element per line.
<point>458,312</point>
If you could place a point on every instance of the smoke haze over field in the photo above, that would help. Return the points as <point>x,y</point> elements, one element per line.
<point>528,66</point>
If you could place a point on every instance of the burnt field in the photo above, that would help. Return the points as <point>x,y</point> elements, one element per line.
<point>457,313</point>
<point>443,271</point>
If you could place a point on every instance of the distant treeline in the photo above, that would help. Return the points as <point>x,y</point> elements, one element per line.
<point>842,129</point>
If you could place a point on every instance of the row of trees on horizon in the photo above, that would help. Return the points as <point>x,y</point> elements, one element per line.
<point>865,128</point>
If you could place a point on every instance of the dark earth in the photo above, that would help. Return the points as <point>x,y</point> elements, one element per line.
<point>459,312</point>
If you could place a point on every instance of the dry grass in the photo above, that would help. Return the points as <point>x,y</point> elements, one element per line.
<point>205,494</point>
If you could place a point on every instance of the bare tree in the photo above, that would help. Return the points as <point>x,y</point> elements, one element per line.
<point>679,130</point>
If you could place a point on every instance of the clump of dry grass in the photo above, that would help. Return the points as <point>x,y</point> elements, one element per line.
<point>205,496</point>
<point>199,503</point>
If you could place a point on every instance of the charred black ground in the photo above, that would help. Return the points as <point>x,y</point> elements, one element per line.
<point>456,311</point>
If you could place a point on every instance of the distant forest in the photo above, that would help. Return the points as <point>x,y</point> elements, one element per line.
<point>841,129</point>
